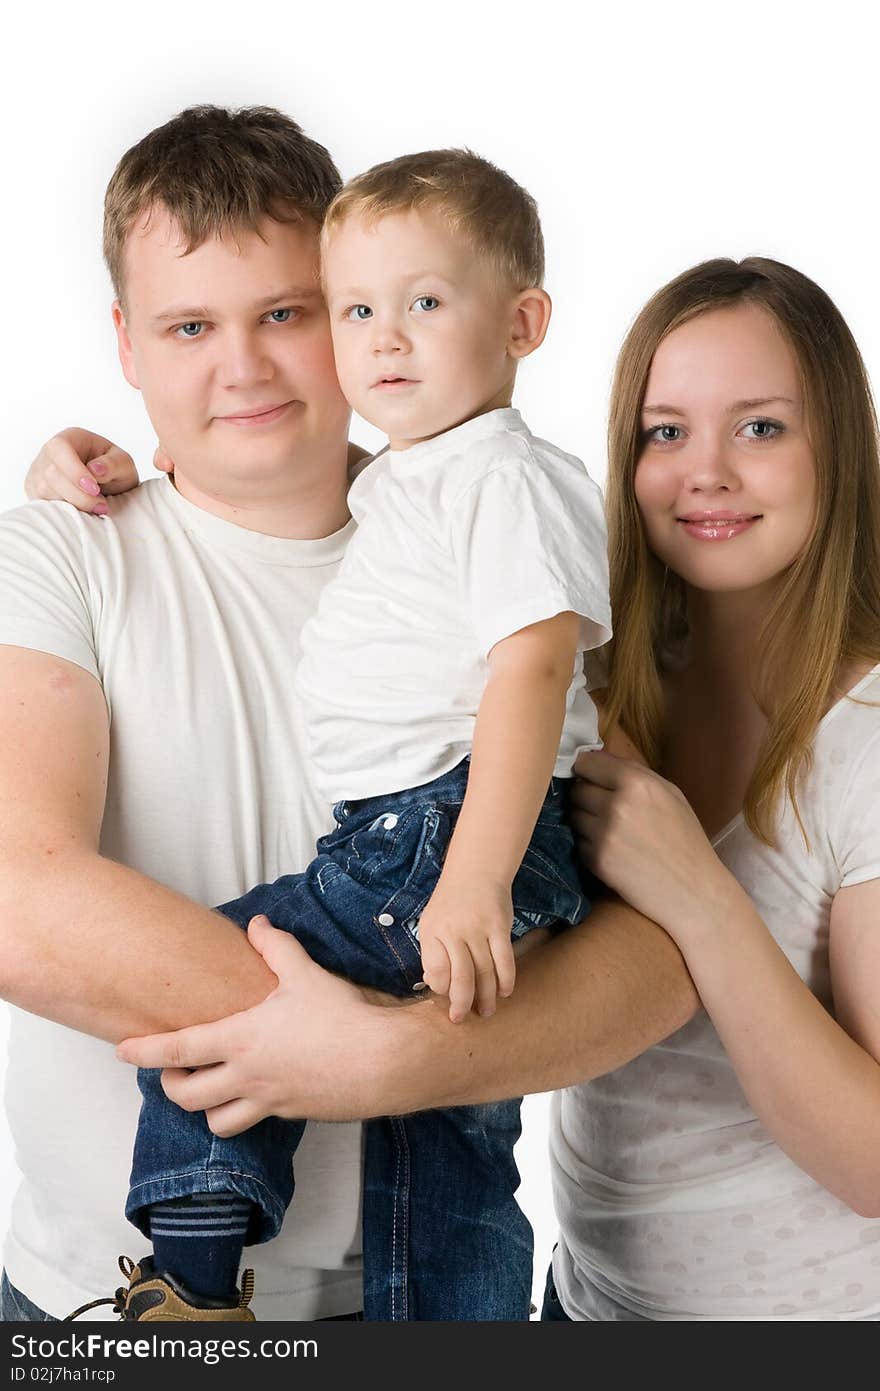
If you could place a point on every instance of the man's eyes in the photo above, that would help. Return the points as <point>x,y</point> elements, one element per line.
<point>195,328</point>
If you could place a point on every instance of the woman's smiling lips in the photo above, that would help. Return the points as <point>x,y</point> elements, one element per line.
<point>717,526</point>
<point>258,415</point>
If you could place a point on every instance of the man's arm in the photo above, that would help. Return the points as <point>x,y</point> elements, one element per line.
<point>590,1000</point>
<point>587,1002</point>
<point>83,940</point>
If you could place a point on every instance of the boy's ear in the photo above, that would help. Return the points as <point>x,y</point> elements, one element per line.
<point>531,317</point>
<point>123,344</point>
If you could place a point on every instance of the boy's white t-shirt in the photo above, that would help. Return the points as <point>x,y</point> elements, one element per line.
<point>461,541</point>
<point>191,625</point>
<point>673,1200</point>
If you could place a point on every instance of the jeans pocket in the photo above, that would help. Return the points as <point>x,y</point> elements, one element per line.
<point>364,845</point>
<point>547,887</point>
<point>428,836</point>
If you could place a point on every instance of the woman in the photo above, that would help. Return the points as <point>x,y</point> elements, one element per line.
<point>732,1170</point>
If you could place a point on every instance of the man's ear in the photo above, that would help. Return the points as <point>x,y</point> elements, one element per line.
<point>531,317</point>
<point>123,344</point>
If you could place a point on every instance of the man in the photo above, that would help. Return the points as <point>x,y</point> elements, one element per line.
<point>164,642</point>
<point>153,759</point>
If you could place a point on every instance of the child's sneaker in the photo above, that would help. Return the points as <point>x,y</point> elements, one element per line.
<point>154,1297</point>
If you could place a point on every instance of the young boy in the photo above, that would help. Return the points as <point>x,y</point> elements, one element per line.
<point>444,702</point>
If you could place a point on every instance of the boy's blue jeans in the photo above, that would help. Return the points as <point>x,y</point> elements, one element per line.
<point>444,1237</point>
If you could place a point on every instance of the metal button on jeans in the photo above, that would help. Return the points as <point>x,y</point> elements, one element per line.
<point>385,920</point>
<point>390,822</point>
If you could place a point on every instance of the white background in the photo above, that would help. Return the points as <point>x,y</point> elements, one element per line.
<point>653,136</point>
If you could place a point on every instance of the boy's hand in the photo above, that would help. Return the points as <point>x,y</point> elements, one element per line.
<point>467,954</point>
<point>81,468</point>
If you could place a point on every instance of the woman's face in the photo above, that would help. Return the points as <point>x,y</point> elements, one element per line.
<point>726,480</point>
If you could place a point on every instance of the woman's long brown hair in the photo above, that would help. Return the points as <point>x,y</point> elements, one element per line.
<point>826,613</point>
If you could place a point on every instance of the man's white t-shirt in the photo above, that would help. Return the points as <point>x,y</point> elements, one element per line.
<point>673,1201</point>
<point>191,625</point>
<point>462,540</point>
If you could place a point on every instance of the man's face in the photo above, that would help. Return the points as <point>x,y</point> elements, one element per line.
<point>230,346</point>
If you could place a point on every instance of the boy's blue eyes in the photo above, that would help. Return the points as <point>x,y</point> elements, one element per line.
<point>360,313</point>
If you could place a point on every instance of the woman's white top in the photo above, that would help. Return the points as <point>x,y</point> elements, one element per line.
<point>673,1201</point>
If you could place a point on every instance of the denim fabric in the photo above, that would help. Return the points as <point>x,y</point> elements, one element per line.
<point>552,1310</point>
<point>443,1234</point>
<point>15,1307</point>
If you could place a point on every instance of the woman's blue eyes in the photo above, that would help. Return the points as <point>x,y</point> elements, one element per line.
<point>764,429</point>
<point>671,434</point>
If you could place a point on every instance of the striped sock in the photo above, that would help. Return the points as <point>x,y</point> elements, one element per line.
<point>199,1239</point>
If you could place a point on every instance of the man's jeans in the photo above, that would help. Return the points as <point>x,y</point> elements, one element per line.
<point>444,1237</point>
<point>15,1307</point>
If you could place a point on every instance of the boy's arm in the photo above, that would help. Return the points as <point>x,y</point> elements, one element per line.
<point>83,940</point>
<point>464,932</point>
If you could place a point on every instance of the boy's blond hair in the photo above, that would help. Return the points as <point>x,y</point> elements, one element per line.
<point>477,199</point>
<point>217,172</point>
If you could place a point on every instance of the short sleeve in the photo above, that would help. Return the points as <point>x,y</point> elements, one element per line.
<point>529,541</point>
<point>44,602</point>
<point>856,832</point>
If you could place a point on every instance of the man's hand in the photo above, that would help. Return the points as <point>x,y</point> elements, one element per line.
<point>464,936</point>
<point>256,1064</point>
<point>82,468</point>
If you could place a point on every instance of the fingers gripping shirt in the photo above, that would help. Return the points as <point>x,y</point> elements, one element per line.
<point>462,540</point>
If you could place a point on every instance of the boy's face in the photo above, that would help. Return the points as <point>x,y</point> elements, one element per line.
<point>230,346</point>
<point>420,324</point>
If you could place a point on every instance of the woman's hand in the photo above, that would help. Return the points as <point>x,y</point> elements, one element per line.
<point>83,468</point>
<point>638,834</point>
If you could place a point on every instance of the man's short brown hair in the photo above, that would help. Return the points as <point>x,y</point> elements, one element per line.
<point>477,199</point>
<point>216,172</point>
